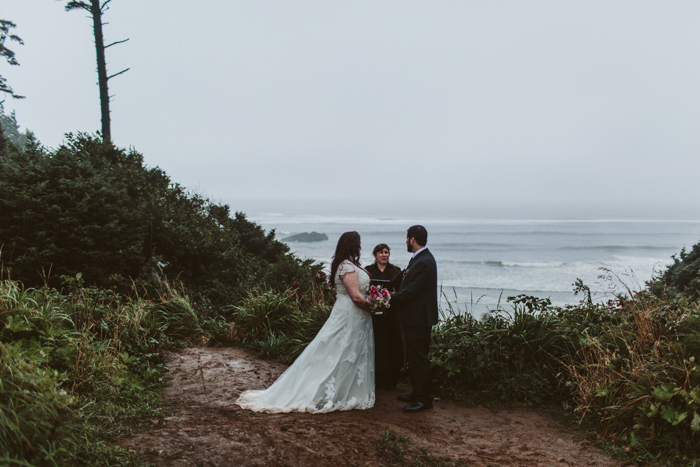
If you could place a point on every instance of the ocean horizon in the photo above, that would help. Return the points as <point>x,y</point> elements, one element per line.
<point>484,260</point>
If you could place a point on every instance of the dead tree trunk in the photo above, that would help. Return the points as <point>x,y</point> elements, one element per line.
<point>96,11</point>
<point>96,8</point>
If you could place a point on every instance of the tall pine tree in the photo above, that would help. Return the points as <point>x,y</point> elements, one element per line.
<point>5,27</point>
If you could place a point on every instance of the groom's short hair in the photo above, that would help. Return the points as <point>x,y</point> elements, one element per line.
<point>419,233</point>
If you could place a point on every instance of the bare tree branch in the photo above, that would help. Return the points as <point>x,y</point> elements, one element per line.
<point>117,74</point>
<point>96,8</point>
<point>115,43</point>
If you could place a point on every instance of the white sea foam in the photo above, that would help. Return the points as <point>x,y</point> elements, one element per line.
<point>543,257</point>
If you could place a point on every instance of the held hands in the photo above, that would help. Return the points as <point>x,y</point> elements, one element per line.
<point>378,299</point>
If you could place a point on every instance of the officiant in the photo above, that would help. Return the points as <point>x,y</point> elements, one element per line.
<point>389,354</point>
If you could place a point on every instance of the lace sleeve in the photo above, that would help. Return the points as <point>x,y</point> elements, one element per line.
<point>345,267</point>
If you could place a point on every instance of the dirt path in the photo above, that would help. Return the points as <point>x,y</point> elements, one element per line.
<point>207,429</point>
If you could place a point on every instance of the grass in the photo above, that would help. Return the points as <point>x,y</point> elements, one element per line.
<point>277,325</point>
<point>77,367</point>
<point>627,367</point>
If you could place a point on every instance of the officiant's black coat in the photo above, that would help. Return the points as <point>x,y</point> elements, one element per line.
<point>388,343</point>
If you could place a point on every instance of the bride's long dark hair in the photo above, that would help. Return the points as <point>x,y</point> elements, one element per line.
<point>348,248</point>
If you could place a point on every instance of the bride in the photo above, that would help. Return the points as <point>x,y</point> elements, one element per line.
<point>336,370</point>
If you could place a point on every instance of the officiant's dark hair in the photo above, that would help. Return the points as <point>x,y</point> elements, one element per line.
<point>419,233</point>
<point>380,247</point>
<point>348,248</point>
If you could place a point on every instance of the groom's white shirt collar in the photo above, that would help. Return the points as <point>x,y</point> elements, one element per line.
<point>416,252</point>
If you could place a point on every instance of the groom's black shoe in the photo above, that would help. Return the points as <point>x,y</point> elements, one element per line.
<point>408,398</point>
<point>418,406</point>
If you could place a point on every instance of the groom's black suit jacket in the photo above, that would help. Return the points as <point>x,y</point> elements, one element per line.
<point>417,298</point>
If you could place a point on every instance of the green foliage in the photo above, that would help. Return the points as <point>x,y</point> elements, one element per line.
<point>91,208</point>
<point>35,412</point>
<point>75,367</point>
<point>278,325</point>
<point>273,324</point>
<point>628,365</point>
<point>9,56</point>
<point>514,356</point>
<point>75,210</point>
<point>90,219</point>
<point>682,277</point>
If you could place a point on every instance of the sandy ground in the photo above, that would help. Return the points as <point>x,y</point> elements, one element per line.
<point>208,429</point>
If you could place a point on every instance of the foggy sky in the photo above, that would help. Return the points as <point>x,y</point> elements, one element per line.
<point>489,102</point>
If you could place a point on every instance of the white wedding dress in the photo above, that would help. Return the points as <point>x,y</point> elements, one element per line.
<point>335,371</point>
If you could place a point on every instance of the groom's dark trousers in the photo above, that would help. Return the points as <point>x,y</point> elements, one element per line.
<point>417,312</point>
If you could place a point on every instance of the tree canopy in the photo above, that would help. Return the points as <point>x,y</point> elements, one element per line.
<point>5,35</point>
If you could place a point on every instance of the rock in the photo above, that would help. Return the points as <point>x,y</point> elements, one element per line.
<point>307,237</point>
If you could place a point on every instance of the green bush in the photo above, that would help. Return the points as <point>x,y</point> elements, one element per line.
<point>95,209</point>
<point>629,365</point>
<point>681,277</point>
<point>278,325</point>
<point>514,356</point>
<point>75,367</point>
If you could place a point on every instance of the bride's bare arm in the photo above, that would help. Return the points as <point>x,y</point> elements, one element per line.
<point>352,285</point>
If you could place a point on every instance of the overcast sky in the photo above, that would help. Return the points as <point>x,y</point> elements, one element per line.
<point>508,102</point>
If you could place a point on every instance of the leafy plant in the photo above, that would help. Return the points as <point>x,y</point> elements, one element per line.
<point>75,367</point>
<point>628,365</point>
<point>278,325</point>
<point>515,355</point>
<point>681,277</point>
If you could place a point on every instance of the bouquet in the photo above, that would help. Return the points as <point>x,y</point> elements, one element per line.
<point>378,298</point>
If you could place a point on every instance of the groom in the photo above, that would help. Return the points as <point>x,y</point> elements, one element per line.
<point>417,313</point>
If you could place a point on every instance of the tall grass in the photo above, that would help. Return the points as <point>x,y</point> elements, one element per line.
<point>638,377</point>
<point>74,367</point>
<point>278,326</point>
<point>629,366</point>
<point>510,355</point>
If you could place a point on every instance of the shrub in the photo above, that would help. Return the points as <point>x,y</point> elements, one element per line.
<point>95,209</point>
<point>514,355</point>
<point>628,365</point>
<point>74,367</point>
<point>279,325</point>
<point>681,277</point>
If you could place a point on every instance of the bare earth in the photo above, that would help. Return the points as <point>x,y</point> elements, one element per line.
<point>208,429</point>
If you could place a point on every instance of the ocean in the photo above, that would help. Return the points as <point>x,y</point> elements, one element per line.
<point>484,257</point>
